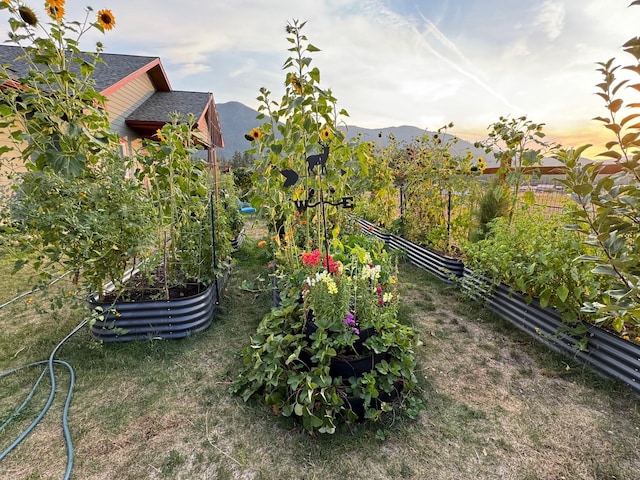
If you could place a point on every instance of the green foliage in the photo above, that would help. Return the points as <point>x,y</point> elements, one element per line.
<point>242,180</point>
<point>77,206</point>
<point>287,365</point>
<point>534,255</point>
<point>56,118</point>
<point>302,124</point>
<point>180,187</point>
<point>290,369</point>
<point>494,203</point>
<point>441,190</point>
<point>229,203</point>
<point>518,145</point>
<point>607,207</point>
<point>379,205</point>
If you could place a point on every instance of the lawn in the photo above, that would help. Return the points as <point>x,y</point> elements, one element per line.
<point>498,405</point>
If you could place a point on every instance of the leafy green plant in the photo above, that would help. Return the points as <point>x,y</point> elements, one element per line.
<point>77,206</point>
<point>441,190</point>
<point>181,189</point>
<point>304,123</point>
<point>326,278</point>
<point>290,368</point>
<point>607,207</point>
<point>540,267</point>
<point>518,145</point>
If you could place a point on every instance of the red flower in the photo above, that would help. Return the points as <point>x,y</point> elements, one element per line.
<point>311,259</point>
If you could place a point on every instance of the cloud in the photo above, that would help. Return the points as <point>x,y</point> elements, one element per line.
<point>551,18</point>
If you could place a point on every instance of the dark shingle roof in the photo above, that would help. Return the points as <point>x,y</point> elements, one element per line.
<point>161,104</point>
<point>115,67</point>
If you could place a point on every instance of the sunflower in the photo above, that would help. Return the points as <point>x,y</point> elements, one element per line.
<point>482,164</point>
<point>106,19</point>
<point>55,12</point>
<point>160,136</point>
<point>54,3</point>
<point>255,133</point>
<point>28,15</point>
<point>294,82</point>
<point>325,133</point>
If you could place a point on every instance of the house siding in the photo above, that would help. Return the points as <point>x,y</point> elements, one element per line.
<point>10,163</point>
<point>124,101</point>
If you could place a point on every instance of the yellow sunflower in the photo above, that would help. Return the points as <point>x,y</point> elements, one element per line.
<point>55,3</point>
<point>482,164</point>
<point>159,135</point>
<point>255,133</point>
<point>27,15</point>
<point>325,133</point>
<point>106,19</point>
<point>55,12</point>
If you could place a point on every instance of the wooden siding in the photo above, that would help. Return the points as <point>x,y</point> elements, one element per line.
<point>125,100</point>
<point>10,163</point>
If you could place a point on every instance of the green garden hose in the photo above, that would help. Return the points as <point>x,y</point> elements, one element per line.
<point>49,368</point>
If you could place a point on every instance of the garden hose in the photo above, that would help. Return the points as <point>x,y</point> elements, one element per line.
<point>65,412</point>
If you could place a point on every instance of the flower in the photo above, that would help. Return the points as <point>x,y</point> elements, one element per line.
<point>57,13</point>
<point>27,15</point>
<point>106,19</point>
<point>160,136</point>
<point>55,3</point>
<point>255,134</point>
<point>262,243</point>
<point>325,133</point>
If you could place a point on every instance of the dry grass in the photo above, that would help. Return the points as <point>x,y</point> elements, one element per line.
<point>499,406</point>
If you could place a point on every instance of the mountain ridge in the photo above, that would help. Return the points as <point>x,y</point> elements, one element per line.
<point>237,119</point>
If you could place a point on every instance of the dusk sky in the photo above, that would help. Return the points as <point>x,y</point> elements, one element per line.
<point>392,62</point>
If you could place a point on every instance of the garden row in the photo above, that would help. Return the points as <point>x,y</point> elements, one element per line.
<point>607,353</point>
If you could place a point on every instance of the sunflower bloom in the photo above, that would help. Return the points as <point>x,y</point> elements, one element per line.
<point>28,16</point>
<point>56,13</point>
<point>106,19</point>
<point>326,134</point>
<point>255,133</point>
<point>160,136</point>
<point>55,3</point>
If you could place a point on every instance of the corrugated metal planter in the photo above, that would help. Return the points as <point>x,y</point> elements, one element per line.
<point>444,267</point>
<point>157,319</point>
<point>608,354</point>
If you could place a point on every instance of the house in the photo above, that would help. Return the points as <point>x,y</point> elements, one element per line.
<point>139,101</point>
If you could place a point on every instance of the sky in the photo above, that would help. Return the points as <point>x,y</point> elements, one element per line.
<point>392,62</point>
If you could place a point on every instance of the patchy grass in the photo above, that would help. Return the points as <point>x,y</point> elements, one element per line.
<point>499,405</point>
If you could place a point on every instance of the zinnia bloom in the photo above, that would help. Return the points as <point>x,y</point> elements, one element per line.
<point>106,19</point>
<point>255,133</point>
<point>28,15</point>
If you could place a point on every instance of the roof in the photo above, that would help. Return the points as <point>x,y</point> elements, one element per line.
<point>161,104</point>
<point>116,70</point>
<point>113,70</point>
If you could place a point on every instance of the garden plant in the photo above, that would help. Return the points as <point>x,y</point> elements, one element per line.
<point>333,286</point>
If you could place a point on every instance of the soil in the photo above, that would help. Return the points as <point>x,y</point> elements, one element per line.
<point>151,286</point>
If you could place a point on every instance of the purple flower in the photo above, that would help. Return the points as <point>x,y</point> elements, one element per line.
<point>379,290</point>
<point>356,331</point>
<point>349,320</point>
<point>380,301</point>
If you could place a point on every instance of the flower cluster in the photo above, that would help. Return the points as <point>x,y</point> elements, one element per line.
<point>349,293</point>
<point>313,259</point>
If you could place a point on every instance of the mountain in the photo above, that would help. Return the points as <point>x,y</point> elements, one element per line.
<point>236,120</point>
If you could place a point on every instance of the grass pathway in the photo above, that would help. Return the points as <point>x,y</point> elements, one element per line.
<point>499,406</point>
